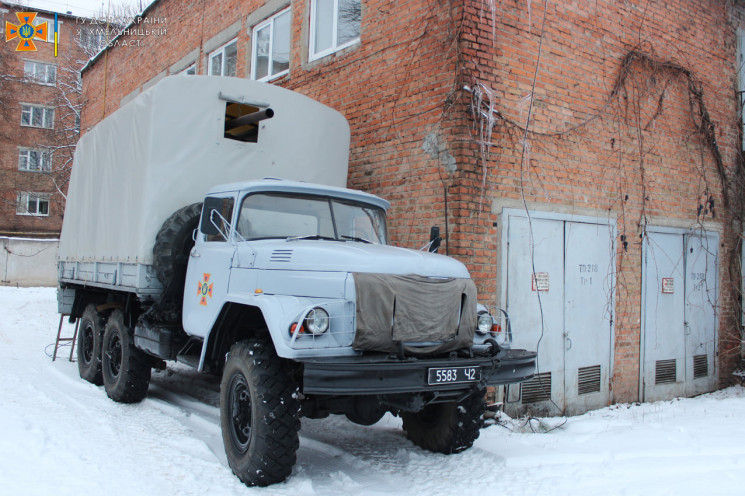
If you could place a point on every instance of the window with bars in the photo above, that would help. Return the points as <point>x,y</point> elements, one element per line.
<point>335,24</point>
<point>34,160</point>
<point>37,116</point>
<point>270,53</point>
<point>33,204</point>
<point>40,73</point>
<point>223,61</point>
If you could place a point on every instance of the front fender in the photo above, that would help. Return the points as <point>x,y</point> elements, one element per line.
<point>281,311</point>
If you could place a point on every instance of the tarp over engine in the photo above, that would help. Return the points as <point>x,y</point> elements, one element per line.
<point>424,314</point>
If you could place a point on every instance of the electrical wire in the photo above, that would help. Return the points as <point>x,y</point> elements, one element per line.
<point>527,210</point>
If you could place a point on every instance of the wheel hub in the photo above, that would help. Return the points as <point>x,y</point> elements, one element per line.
<point>87,348</point>
<point>114,353</point>
<point>239,399</point>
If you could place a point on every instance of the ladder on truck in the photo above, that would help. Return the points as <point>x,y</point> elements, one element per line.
<point>60,339</point>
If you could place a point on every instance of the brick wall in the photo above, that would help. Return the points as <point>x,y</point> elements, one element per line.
<point>17,90</point>
<point>610,134</point>
<point>612,131</point>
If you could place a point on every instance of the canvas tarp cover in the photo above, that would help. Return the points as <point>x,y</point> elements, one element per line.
<point>409,309</point>
<point>166,148</point>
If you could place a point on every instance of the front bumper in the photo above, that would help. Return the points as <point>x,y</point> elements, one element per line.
<point>381,374</point>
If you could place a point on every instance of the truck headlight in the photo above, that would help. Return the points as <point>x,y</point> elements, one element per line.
<point>485,323</point>
<point>317,321</point>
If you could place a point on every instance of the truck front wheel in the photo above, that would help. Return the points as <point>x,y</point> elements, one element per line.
<point>259,413</point>
<point>126,370</point>
<point>446,427</point>
<point>90,334</point>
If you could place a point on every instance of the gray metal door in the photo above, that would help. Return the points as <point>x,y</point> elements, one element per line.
<point>589,284</point>
<point>700,312</point>
<point>536,306</point>
<point>664,319</point>
<point>559,296</point>
<point>679,314</point>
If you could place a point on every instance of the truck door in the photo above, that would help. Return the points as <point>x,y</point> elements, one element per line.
<point>208,272</point>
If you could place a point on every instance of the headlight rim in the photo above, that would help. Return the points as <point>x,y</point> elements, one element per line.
<point>487,320</point>
<point>310,321</point>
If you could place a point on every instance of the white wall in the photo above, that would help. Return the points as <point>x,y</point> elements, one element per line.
<point>28,262</point>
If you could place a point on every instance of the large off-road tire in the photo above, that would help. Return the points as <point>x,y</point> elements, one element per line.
<point>90,336</point>
<point>126,370</point>
<point>174,242</point>
<point>259,413</point>
<point>446,427</point>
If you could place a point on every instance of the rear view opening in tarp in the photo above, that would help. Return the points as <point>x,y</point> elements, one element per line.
<point>428,315</point>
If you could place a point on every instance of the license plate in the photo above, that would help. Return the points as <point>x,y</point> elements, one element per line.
<point>453,375</point>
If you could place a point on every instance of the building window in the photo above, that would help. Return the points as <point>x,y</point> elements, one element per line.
<point>335,24</point>
<point>34,160</point>
<point>223,60</point>
<point>92,39</point>
<point>37,116</point>
<point>191,70</point>
<point>271,47</point>
<point>33,204</point>
<point>50,27</point>
<point>40,73</point>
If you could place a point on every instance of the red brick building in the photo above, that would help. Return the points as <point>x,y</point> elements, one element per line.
<point>582,158</point>
<point>39,121</point>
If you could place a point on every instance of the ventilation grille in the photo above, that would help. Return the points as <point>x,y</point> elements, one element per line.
<point>281,256</point>
<point>700,366</point>
<point>588,380</point>
<point>537,389</point>
<point>666,371</point>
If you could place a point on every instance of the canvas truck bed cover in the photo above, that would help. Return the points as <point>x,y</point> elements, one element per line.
<point>167,147</point>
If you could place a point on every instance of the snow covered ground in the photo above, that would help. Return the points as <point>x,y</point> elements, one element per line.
<point>61,435</point>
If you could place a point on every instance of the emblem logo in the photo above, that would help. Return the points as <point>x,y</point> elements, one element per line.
<point>205,289</point>
<point>26,32</point>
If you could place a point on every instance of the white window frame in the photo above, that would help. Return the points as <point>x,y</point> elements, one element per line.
<point>24,200</point>
<point>31,75</point>
<point>254,46</point>
<point>334,32</point>
<point>221,50</point>
<point>192,67</point>
<point>43,160</point>
<point>50,27</point>
<point>29,108</point>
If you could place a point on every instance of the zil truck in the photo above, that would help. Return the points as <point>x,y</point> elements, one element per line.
<point>207,223</point>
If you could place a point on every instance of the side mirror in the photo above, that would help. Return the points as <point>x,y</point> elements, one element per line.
<point>434,239</point>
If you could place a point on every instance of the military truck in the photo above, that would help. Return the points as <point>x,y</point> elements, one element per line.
<point>175,246</point>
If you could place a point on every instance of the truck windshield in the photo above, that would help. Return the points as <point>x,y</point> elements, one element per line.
<point>272,215</point>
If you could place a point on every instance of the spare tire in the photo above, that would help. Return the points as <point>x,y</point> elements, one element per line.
<point>174,242</point>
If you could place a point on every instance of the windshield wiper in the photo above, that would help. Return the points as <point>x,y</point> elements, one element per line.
<point>311,236</point>
<point>361,240</point>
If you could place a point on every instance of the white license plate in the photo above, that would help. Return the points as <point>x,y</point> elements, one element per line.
<point>453,375</point>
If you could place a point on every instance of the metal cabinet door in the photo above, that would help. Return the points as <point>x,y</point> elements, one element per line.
<point>536,304</point>
<point>589,281</point>
<point>664,318</point>
<point>700,312</point>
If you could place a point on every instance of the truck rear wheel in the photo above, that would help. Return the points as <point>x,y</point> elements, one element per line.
<point>126,370</point>
<point>90,335</point>
<point>446,427</point>
<point>258,413</point>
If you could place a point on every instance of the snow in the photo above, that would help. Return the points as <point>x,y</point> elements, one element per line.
<point>62,435</point>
